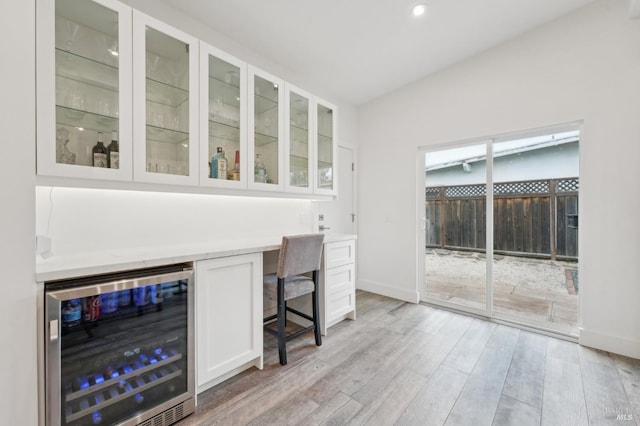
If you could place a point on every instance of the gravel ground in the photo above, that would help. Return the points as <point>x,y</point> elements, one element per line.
<point>539,274</point>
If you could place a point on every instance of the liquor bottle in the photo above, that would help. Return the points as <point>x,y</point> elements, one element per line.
<point>260,171</point>
<point>99,153</point>
<point>236,167</point>
<point>113,152</point>
<point>219,165</point>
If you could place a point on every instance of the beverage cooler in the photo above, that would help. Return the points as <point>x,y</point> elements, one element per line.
<point>119,348</point>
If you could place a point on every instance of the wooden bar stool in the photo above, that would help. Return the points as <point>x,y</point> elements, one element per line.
<point>299,254</point>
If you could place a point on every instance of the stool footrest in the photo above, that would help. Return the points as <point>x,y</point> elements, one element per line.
<point>302,314</point>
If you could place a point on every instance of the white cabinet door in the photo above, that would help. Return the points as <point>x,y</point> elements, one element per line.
<point>84,89</point>
<point>223,119</point>
<point>266,131</point>
<point>326,123</point>
<point>299,140</point>
<point>165,101</point>
<point>228,317</point>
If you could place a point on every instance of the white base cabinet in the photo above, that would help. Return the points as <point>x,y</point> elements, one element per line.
<point>338,283</point>
<point>228,317</point>
<point>337,286</point>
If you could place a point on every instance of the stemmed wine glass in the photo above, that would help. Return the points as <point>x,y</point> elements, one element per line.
<point>72,33</point>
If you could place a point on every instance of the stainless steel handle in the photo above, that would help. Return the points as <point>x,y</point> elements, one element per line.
<point>322,227</point>
<point>53,331</point>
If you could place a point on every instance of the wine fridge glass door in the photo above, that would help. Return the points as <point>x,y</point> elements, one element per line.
<point>118,350</point>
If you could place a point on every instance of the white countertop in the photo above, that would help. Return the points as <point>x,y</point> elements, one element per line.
<point>93,263</point>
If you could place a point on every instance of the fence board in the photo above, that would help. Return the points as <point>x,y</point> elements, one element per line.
<point>522,217</point>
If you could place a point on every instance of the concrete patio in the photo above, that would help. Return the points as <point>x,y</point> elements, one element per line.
<point>539,292</point>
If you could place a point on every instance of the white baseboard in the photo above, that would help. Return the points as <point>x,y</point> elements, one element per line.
<point>389,291</point>
<point>609,343</point>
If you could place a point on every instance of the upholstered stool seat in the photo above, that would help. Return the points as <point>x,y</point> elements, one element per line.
<point>299,256</point>
<point>295,286</point>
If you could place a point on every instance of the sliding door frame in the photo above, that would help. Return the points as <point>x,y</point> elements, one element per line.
<point>489,141</point>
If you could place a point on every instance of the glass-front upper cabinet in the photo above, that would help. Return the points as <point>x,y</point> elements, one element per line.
<point>223,119</point>
<point>84,89</point>
<point>326,149</point>
<point>266,131</point>
<point>299,140</point>
<point>165,100</point>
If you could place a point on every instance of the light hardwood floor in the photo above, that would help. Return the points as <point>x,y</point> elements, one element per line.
<point>407,364</point>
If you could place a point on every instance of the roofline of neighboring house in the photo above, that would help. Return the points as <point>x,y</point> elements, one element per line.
<point>540,145</point>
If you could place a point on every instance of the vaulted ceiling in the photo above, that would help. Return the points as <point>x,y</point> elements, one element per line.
<point>363,49</point>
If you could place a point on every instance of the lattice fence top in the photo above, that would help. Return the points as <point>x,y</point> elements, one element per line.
<point>529,187</point>
<point>432,192</point>
<point>568,185</point>
<point>465,191</point>
<point>505,188</point>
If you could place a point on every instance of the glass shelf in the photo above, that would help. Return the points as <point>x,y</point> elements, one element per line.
<point>224,72</point>
<point>166,94</point>
<point>299,148</point>
<point>261,139</point>
<point>86,70</point>
<point>263,104</point>
<point>298,160</point>
<point>299,131</point>
<point>224,131</point>
<point>324,139</point>
<point>85,120</point>
<point>162,135</point>
<point>228,93</point>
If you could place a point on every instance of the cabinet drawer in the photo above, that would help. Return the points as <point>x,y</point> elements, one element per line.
<point>339,304</point>
<point>340,278</point>
<point>339,253</point>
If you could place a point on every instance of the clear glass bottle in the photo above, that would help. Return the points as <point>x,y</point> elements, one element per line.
<point>260,171</point>
<point>99,153</point>
<point>219,165</point>
<point>236,168</point>
<point>113,152</point>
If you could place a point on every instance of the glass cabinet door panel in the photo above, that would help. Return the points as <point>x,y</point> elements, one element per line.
<point>299,141</point>
<point>266,149</point>
<point>223,119</point>
<point>326,149</point>
<point>87,89</point>
<point>166,77</point>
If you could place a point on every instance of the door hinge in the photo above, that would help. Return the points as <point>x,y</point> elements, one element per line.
<point>353,217</point>
<point>353,167</point>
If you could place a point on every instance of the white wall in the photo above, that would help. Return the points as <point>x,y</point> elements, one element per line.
<point>584,66</point>
<point>18,387</point>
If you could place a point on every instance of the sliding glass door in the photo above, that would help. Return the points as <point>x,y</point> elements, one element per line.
<point>455,203</point>
<point>507,249</point>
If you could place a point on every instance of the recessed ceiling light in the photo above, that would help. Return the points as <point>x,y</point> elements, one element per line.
<point>419,9</point>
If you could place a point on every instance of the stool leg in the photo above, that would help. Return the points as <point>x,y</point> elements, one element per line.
<point>282,339</point>
<point>316,318</point>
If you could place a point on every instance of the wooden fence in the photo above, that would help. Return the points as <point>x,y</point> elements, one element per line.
<point>537,218</point>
